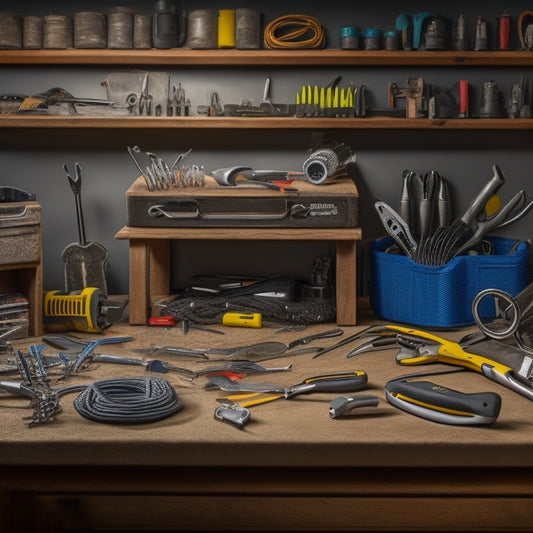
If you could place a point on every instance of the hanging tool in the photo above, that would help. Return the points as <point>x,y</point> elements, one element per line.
<point>85,261</point>
<point>265,392</point>
<point>441,404</point>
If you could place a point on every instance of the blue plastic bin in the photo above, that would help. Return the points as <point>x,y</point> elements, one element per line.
<point>441,296</point>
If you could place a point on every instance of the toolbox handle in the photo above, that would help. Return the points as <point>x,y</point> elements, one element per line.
<point>13,213</point>
<point>169,211</point>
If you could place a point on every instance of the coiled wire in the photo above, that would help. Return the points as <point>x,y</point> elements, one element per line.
<point>128,400</point>
<point>294,31</point>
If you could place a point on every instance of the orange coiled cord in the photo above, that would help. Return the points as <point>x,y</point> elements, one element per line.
<point>294,31</point>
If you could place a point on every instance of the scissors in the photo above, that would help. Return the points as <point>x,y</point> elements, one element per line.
<point>513,316</point>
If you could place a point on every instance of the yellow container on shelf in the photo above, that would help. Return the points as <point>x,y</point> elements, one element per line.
<point>226,28</point>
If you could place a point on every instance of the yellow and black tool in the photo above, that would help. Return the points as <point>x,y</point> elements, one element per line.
<point>338,382</point>
<point>441,404</point>
<point>505,364</point>
<point>244,320</point>
<point>87,310</point>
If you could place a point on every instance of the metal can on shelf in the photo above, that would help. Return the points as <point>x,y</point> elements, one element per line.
<point>11,34</point>
<point>142,31</point>
<point>32,32</point>
<point>90,30</point>
<point>57,32</point>
<point>372,39</point>
<point>120,28</point>
<point>202,29</point>
<point>247,29</point>
<point>350,38</point>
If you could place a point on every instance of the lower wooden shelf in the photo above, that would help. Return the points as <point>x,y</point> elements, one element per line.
<point>150,260</point>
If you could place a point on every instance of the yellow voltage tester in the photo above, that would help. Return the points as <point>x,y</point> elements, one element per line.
<point>245,320</point>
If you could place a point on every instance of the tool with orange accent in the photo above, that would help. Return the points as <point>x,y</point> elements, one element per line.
<point>258,393</point>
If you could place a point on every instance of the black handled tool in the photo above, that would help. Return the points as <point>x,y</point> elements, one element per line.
<point>339,382</point>
<point>440,404</point>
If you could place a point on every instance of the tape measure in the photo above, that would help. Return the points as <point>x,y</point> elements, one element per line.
<point>245,320</point>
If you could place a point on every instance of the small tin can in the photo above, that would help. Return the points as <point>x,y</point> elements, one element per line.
<point>247,29</point>
<point>90,30</point>
<point>58,32</point>
<point>32,32</point>
<point>391,40</point>
<point>350,38</point>
<point>202,29</point>
<point>372,39</point>
<point>11,34</point>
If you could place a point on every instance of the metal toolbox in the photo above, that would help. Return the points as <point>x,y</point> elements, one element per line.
<point>331,205</point>
<point>20,232</point>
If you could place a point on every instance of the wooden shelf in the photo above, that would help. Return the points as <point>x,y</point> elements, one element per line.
<point>262,123</point>
<point>261,58</point>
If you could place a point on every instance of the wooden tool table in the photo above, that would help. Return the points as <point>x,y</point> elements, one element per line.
<point>149,257</point>
<point>292,468</point>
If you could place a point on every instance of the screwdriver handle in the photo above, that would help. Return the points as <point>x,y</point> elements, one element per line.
<point>343,382</point>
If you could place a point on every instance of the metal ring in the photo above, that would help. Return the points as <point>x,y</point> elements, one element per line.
<point>512,306</point>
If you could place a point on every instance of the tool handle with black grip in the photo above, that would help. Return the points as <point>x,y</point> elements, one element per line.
<point>341,382</point>
<point>441,404</point>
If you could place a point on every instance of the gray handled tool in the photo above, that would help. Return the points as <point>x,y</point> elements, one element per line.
<point>440,404</point>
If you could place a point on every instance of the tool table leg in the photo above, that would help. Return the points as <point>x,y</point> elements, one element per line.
<point>159,267</point>
<point>139,281</point>
<point>346,285</point>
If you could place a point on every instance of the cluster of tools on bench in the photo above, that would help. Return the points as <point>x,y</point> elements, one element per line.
<point>140,93</point>
<point>329,161</point>
<point>423,227</point>
<point>500,350</point>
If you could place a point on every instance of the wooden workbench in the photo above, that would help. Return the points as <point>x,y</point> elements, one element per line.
<point>291,468</point>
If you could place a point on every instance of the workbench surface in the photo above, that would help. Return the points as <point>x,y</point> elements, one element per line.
<point>290,448</point>
<point>297,432</point>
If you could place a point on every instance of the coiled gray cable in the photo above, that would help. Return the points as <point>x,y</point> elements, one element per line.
<point>128,400</point>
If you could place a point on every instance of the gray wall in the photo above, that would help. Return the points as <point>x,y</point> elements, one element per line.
<point>107,171</point>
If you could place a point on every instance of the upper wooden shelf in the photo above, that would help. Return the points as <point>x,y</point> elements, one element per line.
<point>264,123</point>
<point>250,58</point>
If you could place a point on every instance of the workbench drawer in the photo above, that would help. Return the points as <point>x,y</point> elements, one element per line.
<point>441,296</point>
<point>20,232</point>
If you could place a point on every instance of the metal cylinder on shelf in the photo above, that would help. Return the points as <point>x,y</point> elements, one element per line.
<point>120,28</point>
<point>57,32</point>
<point>90,30</point>
<point>32,32</point>
<point>202,29</point>
<point>11,34</point>
<point>142,31</point>
<point>247,29</point>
